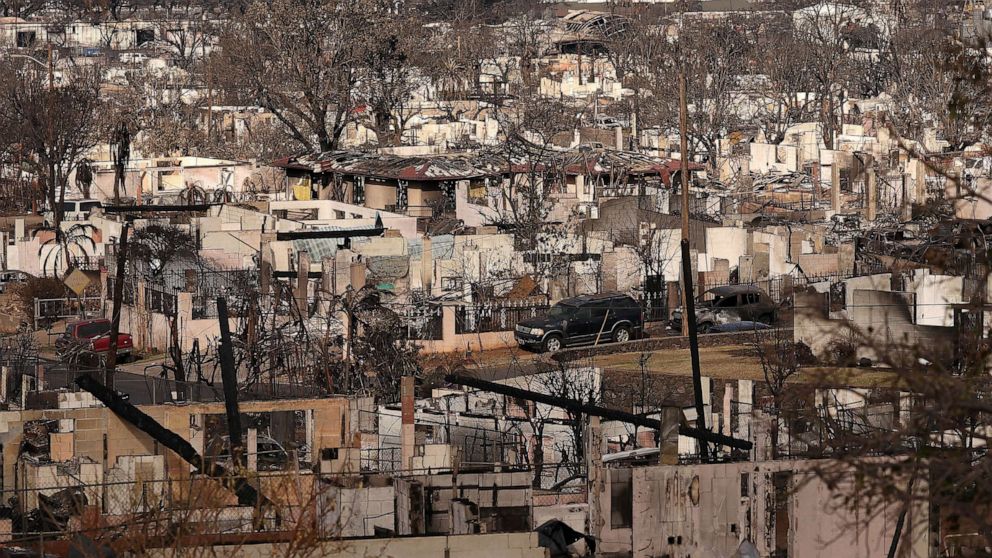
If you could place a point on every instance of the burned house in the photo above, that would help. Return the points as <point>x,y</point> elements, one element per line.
<point>415,186</point>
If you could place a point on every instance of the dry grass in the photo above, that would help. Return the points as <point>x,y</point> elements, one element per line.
<point>734,362</point>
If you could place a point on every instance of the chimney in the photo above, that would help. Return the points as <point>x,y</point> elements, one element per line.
<point>407,434</point>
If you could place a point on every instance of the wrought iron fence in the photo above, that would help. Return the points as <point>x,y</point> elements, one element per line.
<point>49,310</point>
<point>654,306</point>
<point>420,322</point>
<point>160,302</point>
<point>499,316</point>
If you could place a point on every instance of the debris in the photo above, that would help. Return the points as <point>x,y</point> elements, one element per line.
<point>557,537</point>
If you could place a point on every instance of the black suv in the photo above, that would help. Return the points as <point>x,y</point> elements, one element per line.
<point>583,319</point>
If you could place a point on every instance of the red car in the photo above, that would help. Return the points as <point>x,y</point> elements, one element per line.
<point>91,337</point>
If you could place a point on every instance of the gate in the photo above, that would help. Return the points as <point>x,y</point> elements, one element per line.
<point>655,299</point>
<point>49,310</point>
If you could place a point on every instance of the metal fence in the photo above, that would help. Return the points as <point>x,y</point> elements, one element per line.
<point>499,316</point>
<point>420,322</point>
<point>130,289</point>
<point>654,306</point>
<point>160,301</point>
<point>49,310</point>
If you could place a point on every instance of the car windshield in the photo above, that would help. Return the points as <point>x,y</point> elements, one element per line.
<point>87,331</point>
<point>559,311</point>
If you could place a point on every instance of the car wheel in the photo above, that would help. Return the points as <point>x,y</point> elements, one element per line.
<point>704,327</point>
<point>552,344</point>
<point>621,334</point>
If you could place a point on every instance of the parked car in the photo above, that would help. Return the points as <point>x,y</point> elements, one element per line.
<point>583,319</point>
<point>732,303</point>
<point>91,338</point>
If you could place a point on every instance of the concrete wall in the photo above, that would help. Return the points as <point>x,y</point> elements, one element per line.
<point>887,319</point>
<point>701,510</point>
<point>972,202</point>
<point>880,324</point>
<point>813,326</point>
<point>473,214</point>
<point>729,243</point>
<point>152,331</point>
<point>879,282</point>
<point>356,512</point>
<point>776,245</point>
<point>768,158</point>
<point>378,194</point>
<point>935,295</point>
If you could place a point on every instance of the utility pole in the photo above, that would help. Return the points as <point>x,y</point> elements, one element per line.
<point>115,316</point>
<point>688,304</point>
<point>684,175</point>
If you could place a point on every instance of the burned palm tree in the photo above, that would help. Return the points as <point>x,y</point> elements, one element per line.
<point>66,246</point>
<point>193,194</point>
<point>120,145</point>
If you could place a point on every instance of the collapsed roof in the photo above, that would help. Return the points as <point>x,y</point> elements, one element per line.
<point>589,161</point>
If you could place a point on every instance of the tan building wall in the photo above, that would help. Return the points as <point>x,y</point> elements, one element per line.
<point>378,194</point>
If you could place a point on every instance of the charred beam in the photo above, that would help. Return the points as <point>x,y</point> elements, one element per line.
<point>294,274</point>
<point>317,233</point>
<point>169,439</point>
<point>595,410</point>
<point>158,208</point>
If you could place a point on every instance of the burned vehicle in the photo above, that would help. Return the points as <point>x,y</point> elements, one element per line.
<point>729,304</point>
